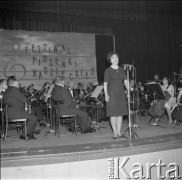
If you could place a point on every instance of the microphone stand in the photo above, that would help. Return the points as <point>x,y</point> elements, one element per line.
<point>131,132</point>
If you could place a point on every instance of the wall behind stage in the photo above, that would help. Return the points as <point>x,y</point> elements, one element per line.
<point>36,57</point>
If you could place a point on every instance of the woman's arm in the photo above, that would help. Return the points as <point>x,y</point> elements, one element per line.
<point>105,92</point>
<point>126,84</point>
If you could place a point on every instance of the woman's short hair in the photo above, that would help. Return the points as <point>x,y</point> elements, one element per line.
<point>166,78</point>
<point>110,54</point>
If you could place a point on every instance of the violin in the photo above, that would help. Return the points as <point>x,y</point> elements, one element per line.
<point>32,95</point>
<point>43,94</point>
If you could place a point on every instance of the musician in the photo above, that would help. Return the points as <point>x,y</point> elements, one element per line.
<point>156,78</point>
<point>3,87</point>
<point>67,106</point>
<point>44,90</point>
<point>16,106</point>
<point>180,75</point>
<point>84,91</point>
<point>179,98</point>
<point>140,88</point>
<point>94,85</point>
<point>90,85</point>
<point>23,90</point>
<point>83,94</point>
<point>169,92</point>
<point>32,97</point>
<point>74,92</point>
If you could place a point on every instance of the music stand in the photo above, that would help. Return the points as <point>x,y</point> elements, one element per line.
<point>155,91</point>
<point>95,95</point>
<point>51,119</point>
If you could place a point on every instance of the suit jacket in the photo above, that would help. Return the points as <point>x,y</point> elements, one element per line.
<point>16,103</point>
<point>75,93</point>
<point>60,93</point>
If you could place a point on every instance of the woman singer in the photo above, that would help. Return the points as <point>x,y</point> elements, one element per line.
<point>116,101</point>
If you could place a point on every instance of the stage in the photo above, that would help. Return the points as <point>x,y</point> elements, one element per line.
<point>88,152</point>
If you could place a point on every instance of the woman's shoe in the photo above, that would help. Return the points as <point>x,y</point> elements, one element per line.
<point>23,137</point>
<point>42,124</point>
<point>115,137</point>
<point>91,130</point>
<point>31,137</point>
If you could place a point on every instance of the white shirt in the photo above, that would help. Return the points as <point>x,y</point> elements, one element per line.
<point>71,91</point>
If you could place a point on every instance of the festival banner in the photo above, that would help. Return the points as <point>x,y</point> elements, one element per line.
<point>38,57</point>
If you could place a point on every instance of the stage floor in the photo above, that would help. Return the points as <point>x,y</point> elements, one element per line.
<point>69,148</point>
<point>100,136</point>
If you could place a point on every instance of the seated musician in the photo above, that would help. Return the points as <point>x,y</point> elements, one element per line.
<point>16,107</point>
<point>156,78</point>
<point>32,97</point>
<point>74,92</point>
<point>179,98</point>
<point>169,92</point>
<point>84,91</point>
<point>94,85</point>
<point>23,90</point>
<point>43,98</point>
<point>140,88</point>
<point>90,85</point>
<point>67,106</point>
<point>83,94</point>
<point>44,90</point>
<point>3,87</point>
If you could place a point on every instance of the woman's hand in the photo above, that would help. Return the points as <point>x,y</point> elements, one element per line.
<point>107,98</point>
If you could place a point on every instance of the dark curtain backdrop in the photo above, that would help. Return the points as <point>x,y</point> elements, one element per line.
<point>148,33</point>
<point>104,44</point>
<point>154,47</point>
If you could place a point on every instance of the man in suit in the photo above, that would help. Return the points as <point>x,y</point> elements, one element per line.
<point>68,106</point>
<point>16,107</point>
<point>74,92</point>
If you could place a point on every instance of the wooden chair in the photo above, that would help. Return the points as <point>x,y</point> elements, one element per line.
<point>19,124</point>
<point>63,119</point>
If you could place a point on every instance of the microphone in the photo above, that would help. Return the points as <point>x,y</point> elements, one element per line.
<point>175,73</point>
<point>129,66</point>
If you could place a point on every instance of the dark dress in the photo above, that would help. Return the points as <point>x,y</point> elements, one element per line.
<point>117,105</point>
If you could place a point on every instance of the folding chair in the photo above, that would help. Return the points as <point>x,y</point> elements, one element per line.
<point>64,119</point>
<point>13,123</point>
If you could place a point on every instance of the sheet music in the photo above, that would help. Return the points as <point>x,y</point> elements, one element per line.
<point>156,89</point>
<point>97,91</point>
